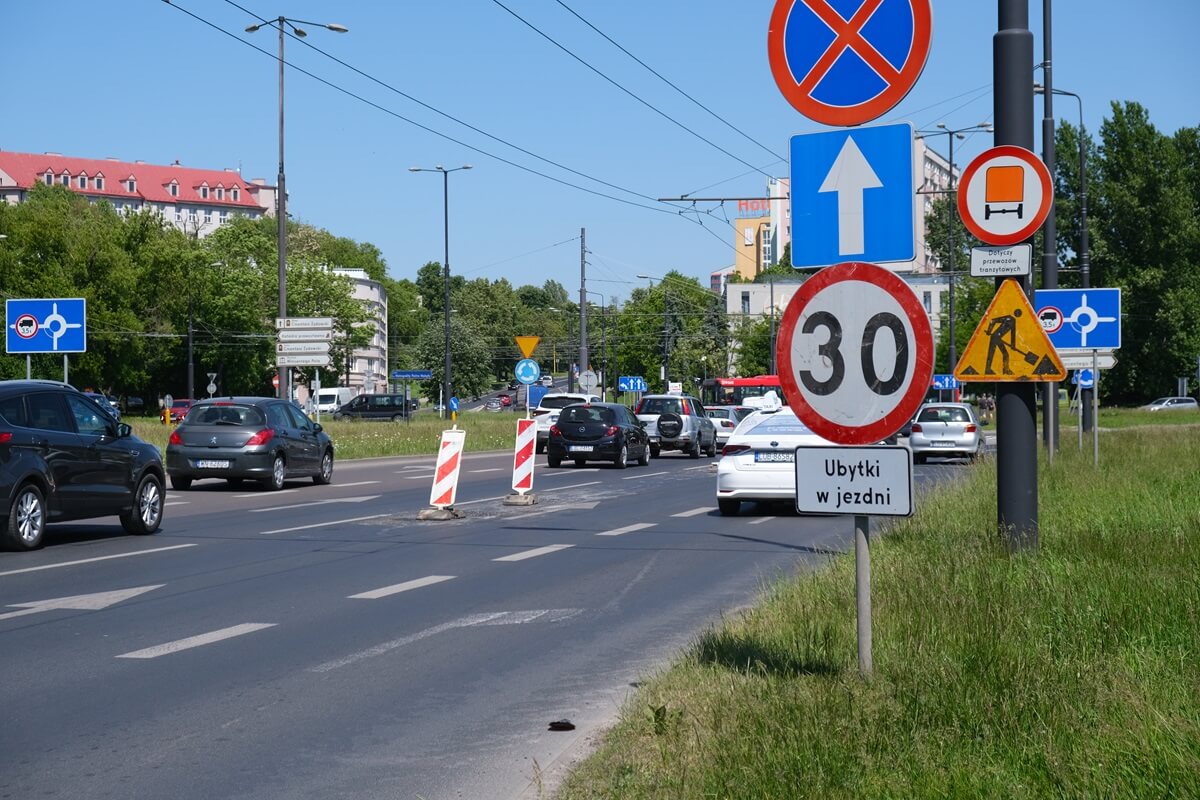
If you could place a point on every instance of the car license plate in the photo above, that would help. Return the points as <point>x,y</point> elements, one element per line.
<point>775,457</point>
<point>208,463</point>
<point>580,448</point>
<point>943,444</point>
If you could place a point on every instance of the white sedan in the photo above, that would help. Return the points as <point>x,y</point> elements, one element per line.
<point>758,461</point>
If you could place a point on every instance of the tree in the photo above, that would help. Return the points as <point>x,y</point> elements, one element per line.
<point>471,356</point>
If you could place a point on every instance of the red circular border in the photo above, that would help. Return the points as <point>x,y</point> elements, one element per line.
<point>1039,169</point>
<point>923,356</point>
<point>1062,319</point>
<point>846,116</point>
<point>36,327</point>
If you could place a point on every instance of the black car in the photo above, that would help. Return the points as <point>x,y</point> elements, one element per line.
<point>392,407</point>
<point>63,457</point>
<point>257,438</point>
<point>597,432</point>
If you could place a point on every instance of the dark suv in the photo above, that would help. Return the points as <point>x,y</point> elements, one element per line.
<point>375,406</point>
<point>63,457</point>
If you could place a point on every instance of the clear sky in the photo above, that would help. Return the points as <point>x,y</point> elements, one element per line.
<point>139,79</point>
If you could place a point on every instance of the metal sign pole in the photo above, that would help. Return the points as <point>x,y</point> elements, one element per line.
<point>1095,409</point>
<point>862,590</point>
<point>65,368</point>
<point>28,367</point>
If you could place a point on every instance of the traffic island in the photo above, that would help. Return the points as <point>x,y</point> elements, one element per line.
<point>529,499</point>
<point>438,514</point>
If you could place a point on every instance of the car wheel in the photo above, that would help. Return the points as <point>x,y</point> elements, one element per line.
<point>323,477</point>
<point>622,459</point>
<point>541,448</point>
<point>553,463</point>
<point>278,471</point>
<point>655,451</point>
<point>644,458</point>
<point>728,508</point>
<point>338,417</point>
<point>26,519</point>
<point>181,483</point>
<point>712,447</point>
<point>397,418</point>
<point>146,514</point>
<point>694,452</point>
<point>670,425</point>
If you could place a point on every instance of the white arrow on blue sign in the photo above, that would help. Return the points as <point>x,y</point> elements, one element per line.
<point>853,196</point>
<point>631,383</point>
<point>1084,378</point>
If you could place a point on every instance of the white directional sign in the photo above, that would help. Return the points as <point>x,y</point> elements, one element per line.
<point>867,481</point>
<point>302,347</point>
<point>283,323</point>
<point>306,360</point>
<point>855,353</point>
<point>305,335</point>
<point>991,262</point>
<point>1082,359</point>
<point>79,602</point>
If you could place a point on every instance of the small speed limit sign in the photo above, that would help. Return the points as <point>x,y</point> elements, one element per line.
<point>855,353</point>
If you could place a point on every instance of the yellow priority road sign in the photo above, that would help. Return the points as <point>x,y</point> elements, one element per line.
<point>527,344</point>
<point>1009,344</point>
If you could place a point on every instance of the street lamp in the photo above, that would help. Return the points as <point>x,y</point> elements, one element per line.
<point>603,337</point>
<point>951,135</point>
<point>283,23</point>
<point>445,268</point>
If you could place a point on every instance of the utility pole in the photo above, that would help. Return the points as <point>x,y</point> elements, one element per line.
<point>771,359</point>
<point>666,365</point>
<point>583,306</point>
<point>1049,229</point>
<point>1016,412</point>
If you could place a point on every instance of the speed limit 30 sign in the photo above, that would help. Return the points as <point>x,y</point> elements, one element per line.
<point>855,353</point>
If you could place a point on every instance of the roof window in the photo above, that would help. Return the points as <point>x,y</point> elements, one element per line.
<point>131,184</point>
<point>173,189</point>
<point>235,194</point>
<point>204,191</point>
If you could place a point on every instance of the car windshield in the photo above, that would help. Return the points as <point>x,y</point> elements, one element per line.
<point>584,414</point>
<point>241,415</point>
<point>943,414</point>
<point>661,405</point>
<point>779,424</point>
<point>559,402</point>
<point>1162,401</point>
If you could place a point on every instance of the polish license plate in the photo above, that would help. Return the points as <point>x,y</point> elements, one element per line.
<point>209,463</point>
<point>580,448</point>
<point>787,458</point>
<point>943,444</point>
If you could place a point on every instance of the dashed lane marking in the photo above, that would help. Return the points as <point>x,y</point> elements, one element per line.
<point>97,558</point>
<point>198,640</point>
<point>356,483</point>
<point>637,526</point>
<point>175,503</point>
<point>571,486</point>
<point>321,524</point>
<point>481,500</point>
<point>647,475</point>
<point>257,495</point>
<point>419,477</point>
<point>694,512</point>
<point>761,520</point>
<point>534,553</point>
<point>489,469</point>
<point>387,591</point>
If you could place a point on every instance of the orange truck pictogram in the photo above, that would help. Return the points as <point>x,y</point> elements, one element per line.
<point>1004,185</point>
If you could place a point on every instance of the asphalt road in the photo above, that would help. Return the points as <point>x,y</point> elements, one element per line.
<point>319,642</point>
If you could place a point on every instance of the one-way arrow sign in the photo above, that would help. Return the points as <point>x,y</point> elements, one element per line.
<point>850,176</point>
<point>79,602</point>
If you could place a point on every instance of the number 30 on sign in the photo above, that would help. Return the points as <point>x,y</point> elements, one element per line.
<point>855,353</point>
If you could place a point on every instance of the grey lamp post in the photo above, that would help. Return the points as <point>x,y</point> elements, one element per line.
<point>951,135</point>
<point>283,23</point>
<point>603,339</point>
<point>445,270</point>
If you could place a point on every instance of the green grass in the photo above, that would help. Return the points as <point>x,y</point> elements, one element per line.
<point>1073,671</point>
<point>358,439</point>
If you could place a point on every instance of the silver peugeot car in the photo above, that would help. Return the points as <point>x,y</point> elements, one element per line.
<point>945,430</point>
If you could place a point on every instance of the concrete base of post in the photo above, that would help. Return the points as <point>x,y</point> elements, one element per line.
<point>529,499</point>
<point>438,514</point>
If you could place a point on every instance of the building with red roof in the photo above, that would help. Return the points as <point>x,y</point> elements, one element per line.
<point>197,201</point>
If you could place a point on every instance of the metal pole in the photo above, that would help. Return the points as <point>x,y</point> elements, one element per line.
<point>953,350</point>
<point>1049,229</point>
<point>191,376</point>
<point>285,375</point>
<point>1095,407</point>
<point>1016,415</point>
<point>28,367</point>
<point>771,357</point>
<point>65,368</point>
<point>583,341</point>
<point>446,290</point>
<point>862,591</point>
<point>1085,269</point>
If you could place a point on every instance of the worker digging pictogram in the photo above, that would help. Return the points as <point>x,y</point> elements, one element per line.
<point>1010,344</point>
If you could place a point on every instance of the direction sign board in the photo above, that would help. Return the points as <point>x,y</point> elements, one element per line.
<point>945,382</point>
<point>527,371</point>
<point>867,481</point>
<point>1005,195</point>
<point>302,347</point>
<point>54,325</point>
<point>283,323</point>
<point>305,335</point>
<point>303,360</point>
<point>852,196</point>
<point>846,62</point>
<point>1082,359</point>
<point>412,374</point>
<point>632,383</point>
<point>991,262</point>
<point>1009,344</point>
<point>1080,319</point>
<point>855,353</point>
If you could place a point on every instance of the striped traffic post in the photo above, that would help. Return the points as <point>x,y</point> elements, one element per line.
<point>523,460</point>
<point>445,476</point>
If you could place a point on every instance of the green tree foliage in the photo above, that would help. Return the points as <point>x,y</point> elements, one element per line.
<point>471,358</point>
<point>752,353</point>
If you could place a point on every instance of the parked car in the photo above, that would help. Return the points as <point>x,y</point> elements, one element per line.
<point>248,438</point>
<point>597,432</point>
<point>64,457</point>
<point>177,411</point>
<point>105,403</point>
<point>1172,404</point>
<point>548,409</point>
<point>945,430</point>
<point>374,406</point>
<point>514,386</point>
<point>506,400</point>
<point>726,418</point>
<point>329,399</point>
<point>493,404</point>
<point>758,461</point>
<point>677,422</point>
<point>134,405</point>
<point>548,381</point>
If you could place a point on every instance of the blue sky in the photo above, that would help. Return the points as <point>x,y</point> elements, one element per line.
<point>138,79</point>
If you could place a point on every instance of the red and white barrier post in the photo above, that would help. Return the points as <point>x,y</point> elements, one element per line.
<point>523,461</point>
<point>445,477</point>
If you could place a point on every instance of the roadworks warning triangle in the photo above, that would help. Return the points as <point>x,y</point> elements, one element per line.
<point>1009,344</point>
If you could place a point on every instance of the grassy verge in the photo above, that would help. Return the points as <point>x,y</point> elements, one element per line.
<point>1070,672</point>
<point>358,439</point>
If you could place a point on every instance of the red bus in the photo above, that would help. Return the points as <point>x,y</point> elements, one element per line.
<point>734,391</point>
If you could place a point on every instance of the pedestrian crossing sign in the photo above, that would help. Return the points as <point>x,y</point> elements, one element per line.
<point>1009,344</point>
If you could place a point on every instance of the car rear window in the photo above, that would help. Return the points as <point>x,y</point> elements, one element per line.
<point>243,415</point>
<point>12,411</point>
<point>944,415</point>
<point>661,405</point>
<point>780,424</point>
<point>559,402</point>
<point>582,414</point>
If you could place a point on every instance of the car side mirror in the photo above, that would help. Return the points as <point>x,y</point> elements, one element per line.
<point>317,427</point>
<point>124,430</point>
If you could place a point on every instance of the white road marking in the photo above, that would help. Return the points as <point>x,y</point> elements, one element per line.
<point>325,502</point>
<point>572,486</point>
<point>387,591</point>
<point>647,475</point>
<point>356,483</point>
<point>198,640</point>
<point>420,477</point>
<point>637,526</point>
<point>761,520</point>
<point>257,495</point>
<point>175,503</point>
<point>79,602</point>
<point>561,474</point>
<point>694,512</point>
<point>97,558</point>
<point>702,466</point>
<point>481,500</point>
<point>566,507</point>
<point>321,524</point>
<point>493,618</point>
<point>489,469</point>
<point>534,553</point>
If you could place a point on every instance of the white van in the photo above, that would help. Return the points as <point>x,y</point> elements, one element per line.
<point>333,398</point>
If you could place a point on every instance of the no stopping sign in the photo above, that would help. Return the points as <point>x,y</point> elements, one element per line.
<point>855,353</point>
